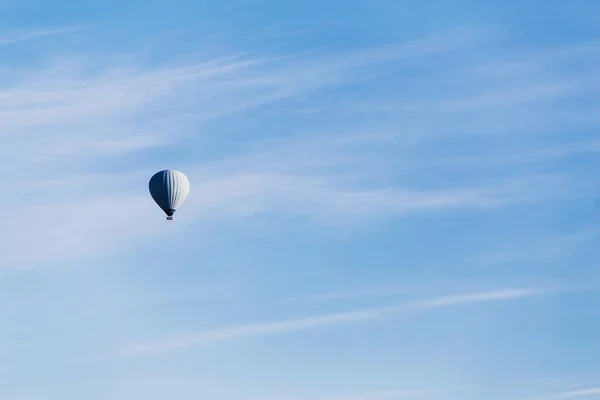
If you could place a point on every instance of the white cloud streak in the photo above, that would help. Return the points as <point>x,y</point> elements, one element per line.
<point>17,37</point>
<point>134,102</point>
<point>259,329</point>
<point>588,392</point>
<point>547,250</point>
<point>67,231</point>
<point>354,294</point>
<point>383,395</point>
<point>329,202</point>
<point>539,155</point>
<point>592,392</point>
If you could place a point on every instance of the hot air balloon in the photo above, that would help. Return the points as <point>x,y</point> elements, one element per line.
<point>169,189</point>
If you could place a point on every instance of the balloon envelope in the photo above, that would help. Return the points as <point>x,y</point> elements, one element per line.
<point>169,189</point>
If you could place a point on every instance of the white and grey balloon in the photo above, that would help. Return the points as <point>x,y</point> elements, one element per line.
<point>169,189</point>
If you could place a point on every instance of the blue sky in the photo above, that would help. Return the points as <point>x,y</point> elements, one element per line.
<point>390,200</point>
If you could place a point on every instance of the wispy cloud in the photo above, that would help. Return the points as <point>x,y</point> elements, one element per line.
<point>546,250</point>
<point>259,329</point>
<point>68,230</point>
<point>588,392</point>
<point>17,37</point>
<point>164,100</point>
<point>508,95</point>
<point>584,393</point>
<point>384,395</point>
<point>329,200</point>
<point>354,294</point>
<point>538,155</point>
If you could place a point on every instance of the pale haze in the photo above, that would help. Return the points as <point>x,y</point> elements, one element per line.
<point>390,200</point>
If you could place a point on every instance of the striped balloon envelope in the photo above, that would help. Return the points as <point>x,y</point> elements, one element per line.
<point>169,189</point>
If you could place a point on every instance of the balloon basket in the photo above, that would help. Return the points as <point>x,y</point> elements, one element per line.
<point>169,218</point>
